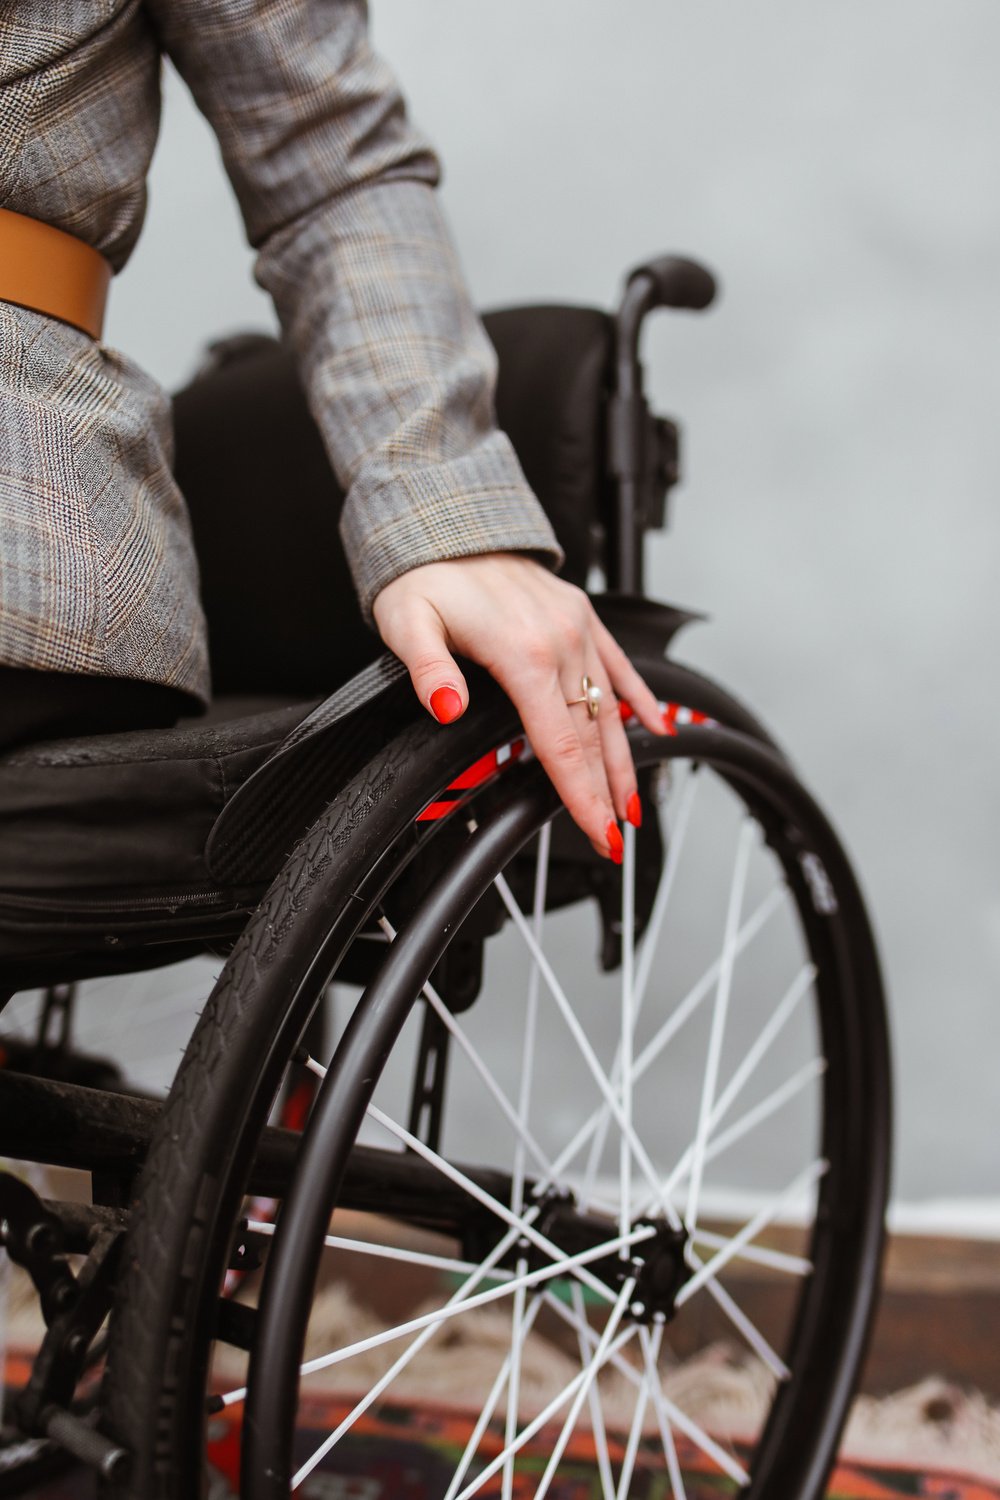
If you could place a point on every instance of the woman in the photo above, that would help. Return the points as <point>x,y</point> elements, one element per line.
<point>450,552</point>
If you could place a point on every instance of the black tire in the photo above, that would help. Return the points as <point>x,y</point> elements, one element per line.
<point>190,1198</point>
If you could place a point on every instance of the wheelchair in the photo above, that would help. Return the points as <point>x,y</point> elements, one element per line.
<point>587,1116</point>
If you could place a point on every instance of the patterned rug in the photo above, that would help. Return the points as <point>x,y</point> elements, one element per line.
<point>408,1452</point>
<point>933,1440</point>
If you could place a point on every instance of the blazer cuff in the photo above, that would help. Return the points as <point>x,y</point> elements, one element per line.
<point>477,503</point>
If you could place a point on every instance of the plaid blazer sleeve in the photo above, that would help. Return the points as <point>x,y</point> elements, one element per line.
<point>337,194</point>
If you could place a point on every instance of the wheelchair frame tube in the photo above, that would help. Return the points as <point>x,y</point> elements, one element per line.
<point>627,417</point>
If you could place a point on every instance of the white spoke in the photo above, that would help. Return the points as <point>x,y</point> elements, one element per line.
<point>799,986</point>
<point>574,1263</point>
<point>521,1223</point>
<point>514,1382</point>
<point>592,1338</point>
<point>483,1271</point>
<point>389,1252</point>
<point>458,1301</point>
<point>758,1343</point>
<point>512,1360</point>
<point>476,1436</point>
<point>517,1184</point>
<point>671,1415</point>
<point>782,1095</point>
<point>681,1013</point>
<point>527,1433</point>
<point>590,1373</point>
<point>750,1230</point>
<point>621,1365</point>
<point>743,1126</point>
<point>447,1020</point>
<point>778,1260</point>
<point>576,1030</point>
<point>593,1401</point>
<point>531,1020</point>
<point>715,1290</point>
<point>782,1013</point>
<point>747,833</point>
<point>653,1389</point>
<point>634,1436</point>
<point>676,836</point>
<point>627,1025</point>
<point>650,942</point>
<point>651,1353</point>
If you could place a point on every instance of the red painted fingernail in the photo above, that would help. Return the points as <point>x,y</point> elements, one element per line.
<point>614,837</point>
<point>625,709</point>
<point>633,810</point>
<point>446,704</point>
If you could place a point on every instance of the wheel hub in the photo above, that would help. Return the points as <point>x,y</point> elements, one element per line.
<point>658,1262</point>
<point>661,1269</point>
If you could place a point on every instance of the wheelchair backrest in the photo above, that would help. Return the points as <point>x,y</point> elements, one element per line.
<point>265,504</point>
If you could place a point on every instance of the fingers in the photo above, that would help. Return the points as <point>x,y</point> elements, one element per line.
<point>415,633</point>
<point>568,744</point>
<point>536,635</point>
<point>626,680</point>
<point>616,754</point>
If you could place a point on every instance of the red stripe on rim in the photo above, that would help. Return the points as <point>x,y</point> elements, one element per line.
<point>481,770</point>
<point>478,772</point>
<point>435,810</point>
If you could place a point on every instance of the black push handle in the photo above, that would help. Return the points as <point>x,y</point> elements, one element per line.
<point>675,281</point>
<point>634,437</point>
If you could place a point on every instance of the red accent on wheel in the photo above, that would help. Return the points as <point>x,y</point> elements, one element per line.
<point>481,770</point>
<point>435,810</point>
<point>478,772</point>
<point>295,1111</point>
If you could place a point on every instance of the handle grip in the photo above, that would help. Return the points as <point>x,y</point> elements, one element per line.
<point>642,450</point>
<point>676,282</point>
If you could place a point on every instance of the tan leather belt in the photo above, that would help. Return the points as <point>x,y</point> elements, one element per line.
<point>52,272</point>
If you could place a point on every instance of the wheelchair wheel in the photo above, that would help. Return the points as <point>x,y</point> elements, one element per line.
<point>563,1189</point>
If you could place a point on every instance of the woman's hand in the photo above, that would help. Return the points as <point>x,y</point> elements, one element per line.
<point>538,636</point>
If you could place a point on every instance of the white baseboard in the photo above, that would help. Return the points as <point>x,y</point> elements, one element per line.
<point>948,1218</point>
<point>958,1218</point>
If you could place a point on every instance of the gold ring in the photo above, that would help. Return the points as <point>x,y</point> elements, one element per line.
<point>591,696</point>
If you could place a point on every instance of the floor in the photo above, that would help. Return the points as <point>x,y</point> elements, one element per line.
<point>939,1315</point>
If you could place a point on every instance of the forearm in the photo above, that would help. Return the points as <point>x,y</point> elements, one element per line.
<point>400,377</point>
<point>336,189</point>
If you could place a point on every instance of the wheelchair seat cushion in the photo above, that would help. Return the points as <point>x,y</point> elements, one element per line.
<point>110,830</point>
<point>117,843</point>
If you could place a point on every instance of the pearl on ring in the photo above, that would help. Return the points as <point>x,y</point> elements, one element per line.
<point>591,696</point>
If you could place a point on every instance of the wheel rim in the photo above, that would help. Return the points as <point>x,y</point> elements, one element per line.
<point>844,1219</point>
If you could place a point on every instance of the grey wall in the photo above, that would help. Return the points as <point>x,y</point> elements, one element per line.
<point>838,166</point>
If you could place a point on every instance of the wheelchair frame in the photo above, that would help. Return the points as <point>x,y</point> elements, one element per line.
<point>64,1122</point>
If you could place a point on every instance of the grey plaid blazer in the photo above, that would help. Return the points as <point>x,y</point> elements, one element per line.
<point>97,572</point>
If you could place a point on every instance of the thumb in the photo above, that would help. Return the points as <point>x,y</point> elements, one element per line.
<point>417,637</point>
